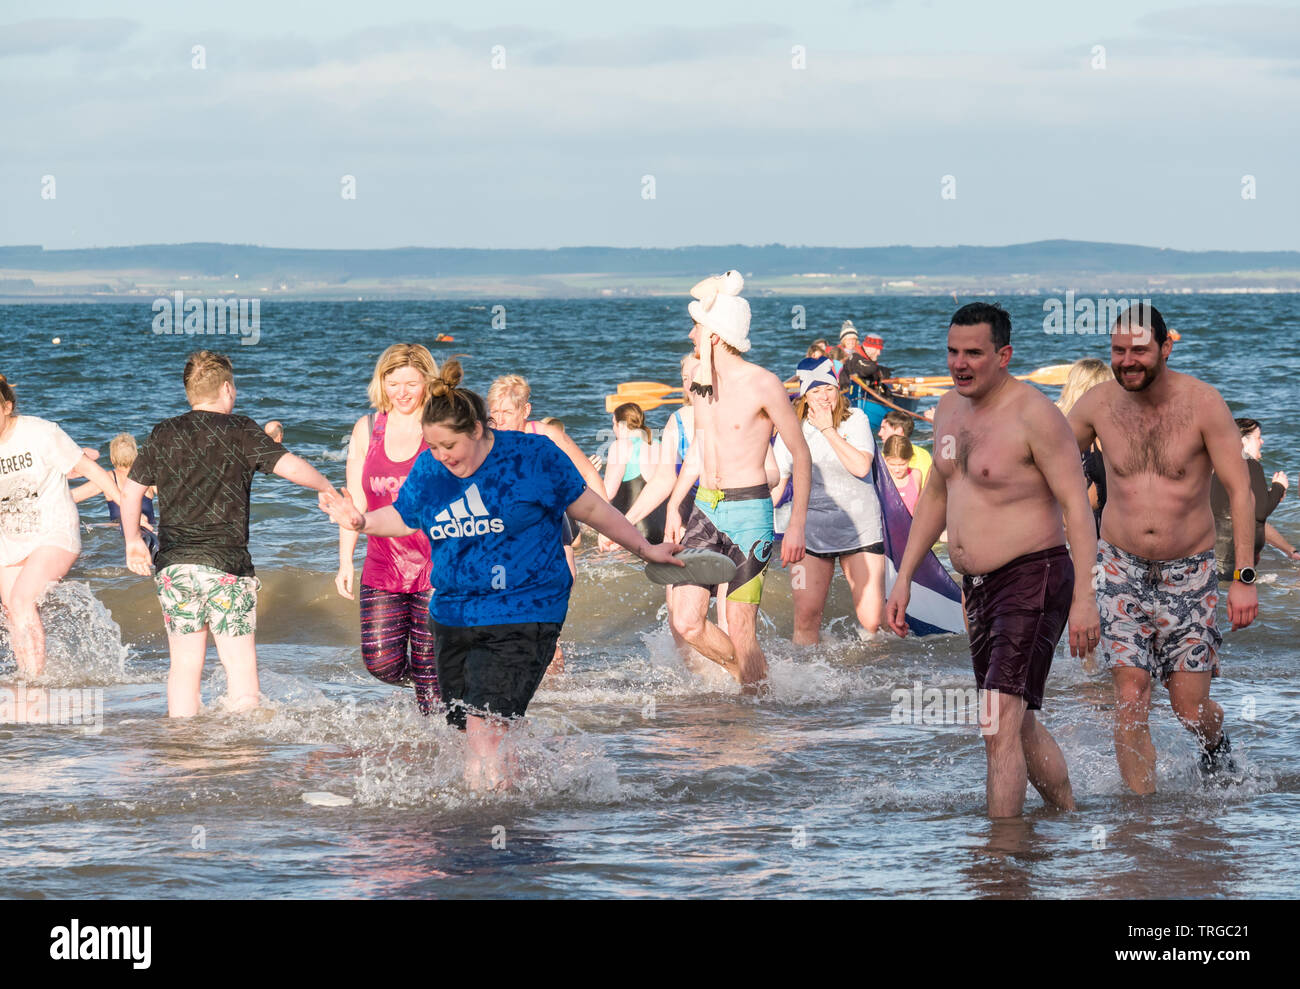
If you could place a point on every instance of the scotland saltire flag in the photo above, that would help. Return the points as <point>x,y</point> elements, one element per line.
<point>935,605</point>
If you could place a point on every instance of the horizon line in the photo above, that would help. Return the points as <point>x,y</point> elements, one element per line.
<point>681,247</point>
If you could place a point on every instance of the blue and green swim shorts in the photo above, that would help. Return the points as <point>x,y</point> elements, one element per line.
<point>736,522</point>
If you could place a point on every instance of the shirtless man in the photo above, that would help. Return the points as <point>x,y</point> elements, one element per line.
<point>1162,433</point>
<point>1005,470</point>
<point>736,406</point>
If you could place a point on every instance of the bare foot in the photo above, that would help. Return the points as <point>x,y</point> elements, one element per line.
<point>557,663</point>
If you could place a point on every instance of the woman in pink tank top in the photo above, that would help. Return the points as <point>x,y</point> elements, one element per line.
<point>396,644</point>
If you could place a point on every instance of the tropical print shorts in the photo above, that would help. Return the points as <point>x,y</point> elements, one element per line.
<point>1158,615</point>
<point>195,597</point>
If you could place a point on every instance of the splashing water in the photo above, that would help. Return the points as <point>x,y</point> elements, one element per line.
<point>83,645</point>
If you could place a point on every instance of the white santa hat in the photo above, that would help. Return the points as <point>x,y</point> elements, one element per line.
<point>719,309</point>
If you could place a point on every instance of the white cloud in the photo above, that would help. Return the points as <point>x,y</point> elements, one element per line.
<point>40,37</point>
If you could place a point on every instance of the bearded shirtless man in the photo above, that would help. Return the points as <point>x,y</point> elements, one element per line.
<point>1005,471</point>
<point>736,405</point>
<point>1162,433</point>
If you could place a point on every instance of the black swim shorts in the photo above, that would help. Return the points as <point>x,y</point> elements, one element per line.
<point>1016,616</point>
<point>492,669</point>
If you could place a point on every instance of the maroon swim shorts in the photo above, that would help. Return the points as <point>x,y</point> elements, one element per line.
<point>1016,616</point>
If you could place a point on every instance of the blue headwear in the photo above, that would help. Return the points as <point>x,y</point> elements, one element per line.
<point>814,371</point>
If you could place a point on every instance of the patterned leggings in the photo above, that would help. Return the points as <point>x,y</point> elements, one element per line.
<point>390,621</point>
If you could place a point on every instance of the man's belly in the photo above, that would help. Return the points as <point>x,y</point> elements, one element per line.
<point>1168,530</point>
<point>982,538</point>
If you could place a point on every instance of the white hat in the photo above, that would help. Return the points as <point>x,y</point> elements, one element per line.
<point>720,309</point>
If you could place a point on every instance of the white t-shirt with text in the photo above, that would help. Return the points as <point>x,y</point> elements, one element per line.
<point>36,507</point>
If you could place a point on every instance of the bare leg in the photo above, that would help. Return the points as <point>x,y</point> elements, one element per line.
<point>557,661</point>
<point>678,641</point>
<point>238,654</point>
<point>742,630</point>
<point>20,588</point>
<point>810,581</point>
<point>1134,751</point>
<point>721,596</point>
<point>865,573</point>
<point>689,617</point>
<point>1045,764</point>
<point>1189,695</point>
<point>484,767</point>
<point>187,654</point>
<point>1005,755</point>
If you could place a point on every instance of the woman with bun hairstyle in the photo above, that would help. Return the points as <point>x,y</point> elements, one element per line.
<point>492,503</point>
<point>632,459</point>
<point>396,644</point>
<point>40,530</point>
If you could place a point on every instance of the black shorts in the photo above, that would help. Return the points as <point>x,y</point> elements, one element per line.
<point>876,548</point>
<point>1016,615</point>
<point>491,669</point>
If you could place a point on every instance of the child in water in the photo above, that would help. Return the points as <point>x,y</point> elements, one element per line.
<point>897,453</point>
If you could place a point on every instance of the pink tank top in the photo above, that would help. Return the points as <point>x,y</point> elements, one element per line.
<point>909,491</point>
<point>398,564</point>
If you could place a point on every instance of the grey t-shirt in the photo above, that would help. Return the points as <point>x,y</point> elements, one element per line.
<point>843,510</point>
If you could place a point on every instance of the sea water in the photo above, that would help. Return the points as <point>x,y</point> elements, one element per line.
<point>640,777</point>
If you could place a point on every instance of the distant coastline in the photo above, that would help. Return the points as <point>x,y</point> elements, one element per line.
<point>29,273</point>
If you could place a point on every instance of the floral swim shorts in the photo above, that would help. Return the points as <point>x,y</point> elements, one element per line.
<point>1158,615</point>
<point>195,597</point>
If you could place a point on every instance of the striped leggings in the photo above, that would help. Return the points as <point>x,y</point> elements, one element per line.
<point>391,622</point>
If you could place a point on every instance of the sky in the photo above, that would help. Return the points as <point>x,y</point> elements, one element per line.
<point>834,123</point>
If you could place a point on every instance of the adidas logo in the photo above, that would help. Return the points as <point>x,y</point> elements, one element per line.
<point>466,516</point>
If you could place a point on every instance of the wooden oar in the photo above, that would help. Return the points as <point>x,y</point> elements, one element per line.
<point>640,396</point>
<point>646,402</point>
<point>648,387</point>
<point>877,397</point>
<point>653,399</point>
<point>1052,375</point>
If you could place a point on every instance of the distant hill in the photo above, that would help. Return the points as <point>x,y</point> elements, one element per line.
<point>1048,257</point>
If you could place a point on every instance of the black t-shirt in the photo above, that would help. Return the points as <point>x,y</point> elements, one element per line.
<point>860,365</point>
<point>1267,497</point>
<point>202,464</point>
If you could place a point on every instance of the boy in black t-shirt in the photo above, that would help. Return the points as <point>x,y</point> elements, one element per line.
<point>202,463</point>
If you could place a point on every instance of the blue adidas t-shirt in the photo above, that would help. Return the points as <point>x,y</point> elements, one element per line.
<point>495,536</point>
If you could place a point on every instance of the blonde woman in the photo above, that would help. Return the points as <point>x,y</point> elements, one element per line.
<point>509,401</point>
<point>40,533</point>
<point>1084,375</point>
<point>510,404</point>
<point>396,644</point>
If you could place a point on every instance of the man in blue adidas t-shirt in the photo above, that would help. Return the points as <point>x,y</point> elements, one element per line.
<point>492,504</point>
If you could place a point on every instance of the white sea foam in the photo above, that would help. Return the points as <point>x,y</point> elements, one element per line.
<point>83,645</point>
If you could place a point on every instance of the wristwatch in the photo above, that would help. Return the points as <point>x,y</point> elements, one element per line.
<point>1246,575</point>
